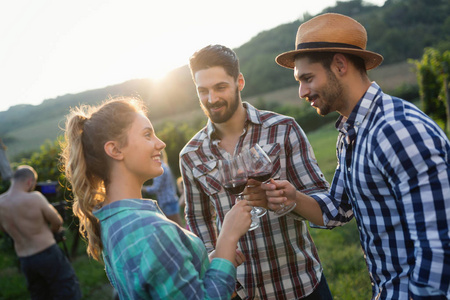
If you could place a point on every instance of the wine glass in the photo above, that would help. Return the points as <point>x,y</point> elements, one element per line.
<point>259,167</point>
<point>234,179</point>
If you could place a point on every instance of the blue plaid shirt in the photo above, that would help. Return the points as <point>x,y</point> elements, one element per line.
<point>393,175</point>
<point>164,187</point>
<point>149,257</point>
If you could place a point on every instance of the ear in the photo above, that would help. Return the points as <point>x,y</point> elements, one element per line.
<point>340,64</point>
<point>112,150</point>
<point>241,81</point>
<point>31,183</point>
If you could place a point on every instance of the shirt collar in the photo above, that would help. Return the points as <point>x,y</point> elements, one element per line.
<point>116,207</point>
<point>361,110</point>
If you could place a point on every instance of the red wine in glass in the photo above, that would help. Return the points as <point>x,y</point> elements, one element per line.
<point>261,176</point>
<point>234,179</point>
<point>259,167</point>
<point>235,187</point>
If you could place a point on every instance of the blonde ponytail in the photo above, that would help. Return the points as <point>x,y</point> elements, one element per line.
<point>85,162</point>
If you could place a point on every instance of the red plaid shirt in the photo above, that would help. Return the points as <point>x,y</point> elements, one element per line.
<point>282,260</point>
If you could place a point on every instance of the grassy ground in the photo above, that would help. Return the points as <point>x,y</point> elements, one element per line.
<point>339,249</point>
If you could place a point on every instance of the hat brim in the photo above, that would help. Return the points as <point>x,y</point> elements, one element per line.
<point>371,59</point>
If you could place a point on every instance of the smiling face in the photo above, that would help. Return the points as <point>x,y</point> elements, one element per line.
<point>142,152</point>
<point>319,86</point>
<point>218,93</point>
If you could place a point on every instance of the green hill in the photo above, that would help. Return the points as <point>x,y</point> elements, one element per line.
<point>399,30</point>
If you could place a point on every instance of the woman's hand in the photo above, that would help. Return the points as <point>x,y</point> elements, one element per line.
<point>237,221</point>
<point>235,224</point>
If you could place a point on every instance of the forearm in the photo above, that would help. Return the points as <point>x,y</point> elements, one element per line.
<point>308,208</point>
<point>55,221</point>
<point>226,247</point>
<point>56,226</point>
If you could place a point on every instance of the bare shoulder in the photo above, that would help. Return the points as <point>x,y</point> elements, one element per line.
<point>35,199</point>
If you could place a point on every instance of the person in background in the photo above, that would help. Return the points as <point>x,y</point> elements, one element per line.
<point>165,190</point>
<point>393,171</point>
<point>181,199</point>
<point>109,152</point>
<point>32,222</point>
<point>180,191</point>
<point>281,259</point>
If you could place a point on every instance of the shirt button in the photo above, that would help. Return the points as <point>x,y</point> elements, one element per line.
<point>348,169</point>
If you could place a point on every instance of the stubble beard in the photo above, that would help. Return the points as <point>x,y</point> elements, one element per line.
<point>219,118</point>
<point>331,95</point>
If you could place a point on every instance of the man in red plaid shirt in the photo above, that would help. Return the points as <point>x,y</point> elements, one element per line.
<point>281,260</point>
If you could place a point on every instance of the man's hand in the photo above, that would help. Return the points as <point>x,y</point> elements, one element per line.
<point>279,192</point>
<point>238,260</point>
<point>60,235</point>
<point>254,194</point>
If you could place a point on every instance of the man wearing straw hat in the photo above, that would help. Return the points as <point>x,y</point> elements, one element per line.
<point>393,164</point>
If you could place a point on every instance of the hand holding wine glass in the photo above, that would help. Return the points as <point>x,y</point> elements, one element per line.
<point>234,179</point>
<point>259,167</point>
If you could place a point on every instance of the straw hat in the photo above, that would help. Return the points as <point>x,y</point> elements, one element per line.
<point>331,33</point>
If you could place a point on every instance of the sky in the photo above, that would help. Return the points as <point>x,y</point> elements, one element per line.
<point>50,48</point>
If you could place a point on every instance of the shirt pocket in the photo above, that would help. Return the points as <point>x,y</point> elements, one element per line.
<point>207,175</point>
<point>274,151</point>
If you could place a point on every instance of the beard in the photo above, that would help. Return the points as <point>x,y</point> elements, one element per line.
<point>222,117</point>
<point>330,95</point>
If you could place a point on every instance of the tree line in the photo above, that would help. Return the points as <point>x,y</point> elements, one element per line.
<point>400,30</point>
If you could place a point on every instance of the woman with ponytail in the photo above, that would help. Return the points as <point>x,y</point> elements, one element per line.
<point>109,152</point>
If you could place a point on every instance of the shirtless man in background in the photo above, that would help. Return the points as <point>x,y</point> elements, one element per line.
<point>31,221</point>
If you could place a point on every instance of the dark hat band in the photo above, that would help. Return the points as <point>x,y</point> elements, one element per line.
<point>313,45</point>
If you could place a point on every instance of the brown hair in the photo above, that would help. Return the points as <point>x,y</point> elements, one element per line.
<point>85,162</point>
<point>24,172</point>
<point>215,56</point>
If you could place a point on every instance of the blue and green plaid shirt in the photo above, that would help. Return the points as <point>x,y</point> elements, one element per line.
<point>149,257</point>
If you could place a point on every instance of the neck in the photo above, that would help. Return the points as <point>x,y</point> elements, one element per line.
<point>19,187</point>
<point>230,131</point>
<point>354,88</point>
<point>123,185</point>
<point>234,125</point>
